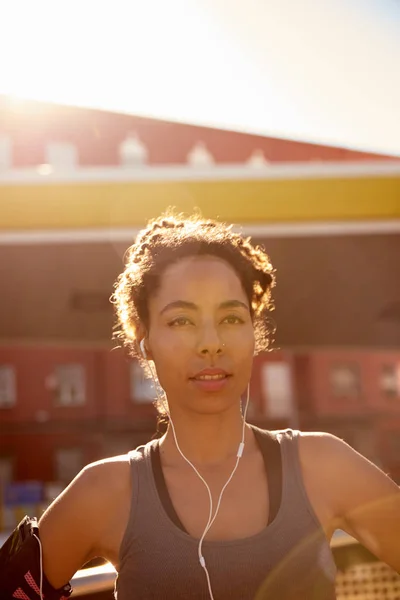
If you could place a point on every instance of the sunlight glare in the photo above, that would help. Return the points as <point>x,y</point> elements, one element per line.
<point>319,71</point>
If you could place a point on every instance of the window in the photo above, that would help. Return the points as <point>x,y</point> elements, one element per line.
<point>70,385</point>
<point>61,155</point>
<point>390,380</point>
<point>69,461</point>
<point>278,389</point>
<point>200,156</point>
<point>6,471</point>
<point>345,381</point>
<point>5,152</point>
<point>8,392</point>
<point>141,388</point>
<point>6,478</point>
<point>132,151</point>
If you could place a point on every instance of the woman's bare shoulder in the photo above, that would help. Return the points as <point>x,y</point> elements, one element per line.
<point>108,470</point>
<point>358,496</point>
<point>94,503</point>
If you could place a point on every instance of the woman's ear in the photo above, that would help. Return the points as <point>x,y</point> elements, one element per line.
<point>148,349</point>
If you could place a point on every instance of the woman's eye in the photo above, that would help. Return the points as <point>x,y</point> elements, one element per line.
<point>232,320</point>
<point>179,322</point>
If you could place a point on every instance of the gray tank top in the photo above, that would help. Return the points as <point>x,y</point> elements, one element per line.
<point>290,559</point>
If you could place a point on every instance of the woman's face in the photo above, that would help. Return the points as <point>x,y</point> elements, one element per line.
<point>201,335</point>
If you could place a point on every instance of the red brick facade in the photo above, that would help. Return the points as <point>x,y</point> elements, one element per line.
<point>110,421</point>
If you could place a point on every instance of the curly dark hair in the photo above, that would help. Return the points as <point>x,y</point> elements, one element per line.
<point>173,236</point>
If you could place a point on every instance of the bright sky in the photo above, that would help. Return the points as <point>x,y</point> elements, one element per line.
<point>326,70</point>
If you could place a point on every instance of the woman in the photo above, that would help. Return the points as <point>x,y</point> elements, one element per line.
<point>192,306</point>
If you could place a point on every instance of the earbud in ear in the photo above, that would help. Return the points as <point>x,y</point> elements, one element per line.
<point>143,349</point>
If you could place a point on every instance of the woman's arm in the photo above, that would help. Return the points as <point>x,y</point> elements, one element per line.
<point>72,527</point>
<point>361,498</point>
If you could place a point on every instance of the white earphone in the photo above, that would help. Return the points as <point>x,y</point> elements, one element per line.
<point>239,454</point>
<point>143,349</point>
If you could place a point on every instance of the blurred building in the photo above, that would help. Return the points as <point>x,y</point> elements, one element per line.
<point>75,187</point>
<point>63,407</point>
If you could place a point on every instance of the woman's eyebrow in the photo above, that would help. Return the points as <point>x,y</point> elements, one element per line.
<point>233,304</point>
<point>179,304</point>
<point>193,306</point>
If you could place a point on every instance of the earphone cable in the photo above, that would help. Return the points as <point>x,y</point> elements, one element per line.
<point>40,566</point>
<point>211,518</point>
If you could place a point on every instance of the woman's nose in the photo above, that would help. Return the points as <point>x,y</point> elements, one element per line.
<point>210,342</point>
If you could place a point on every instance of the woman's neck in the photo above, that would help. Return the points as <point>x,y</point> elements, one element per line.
<point>206,440</point>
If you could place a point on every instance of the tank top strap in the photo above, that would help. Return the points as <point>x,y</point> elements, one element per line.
<point>138,469</point>
<point>292,474</point>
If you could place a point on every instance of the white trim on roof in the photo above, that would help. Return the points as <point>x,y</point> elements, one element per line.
<point>127,235</point>
<point>44,174</point>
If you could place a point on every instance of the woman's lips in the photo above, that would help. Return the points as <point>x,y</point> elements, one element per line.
<point>208,382</point>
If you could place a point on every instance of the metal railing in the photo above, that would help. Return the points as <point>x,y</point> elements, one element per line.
<point>360,576</point>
